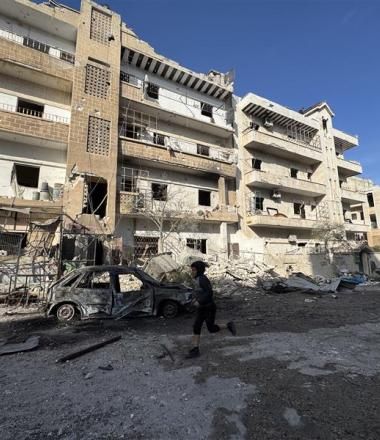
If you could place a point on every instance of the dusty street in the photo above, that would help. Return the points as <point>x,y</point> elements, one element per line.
<point>296,370</point>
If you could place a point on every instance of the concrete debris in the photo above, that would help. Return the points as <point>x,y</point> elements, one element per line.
<point>30,344</point>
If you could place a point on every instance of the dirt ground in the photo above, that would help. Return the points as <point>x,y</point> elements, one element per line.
<point>297,370</point>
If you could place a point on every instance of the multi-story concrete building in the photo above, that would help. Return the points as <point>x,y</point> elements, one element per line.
<point>373,199</point>
<point>89,111</point>
<point>131,144</point>
<point>294,178</point>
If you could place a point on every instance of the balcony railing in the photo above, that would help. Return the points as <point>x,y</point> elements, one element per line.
<point>291,135</point>
<point>149,135</point>
<point>35,113</point>
<point>38,45</point>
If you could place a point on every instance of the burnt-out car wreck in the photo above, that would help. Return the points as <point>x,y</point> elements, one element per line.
<point>114,292</point>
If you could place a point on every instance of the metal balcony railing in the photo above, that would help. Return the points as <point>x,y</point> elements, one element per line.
<point>38,45</point>
<point>31,112</point>
<point>149,135</point>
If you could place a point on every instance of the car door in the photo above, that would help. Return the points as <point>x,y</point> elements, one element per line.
<point>94,291</point>
<point>132,295</point>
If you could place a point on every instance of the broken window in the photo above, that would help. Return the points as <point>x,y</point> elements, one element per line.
<point>152,91</point>
<point>159,192</point>
<point>200,244</point>
<point>127,282</point>
<point>373,219</point>
<point>159,139</point>
<point>204,198</point>
<point>293,173</point>
<point>96,197</point>
<point>299,209</point>
<point>206,109</point>
<point>95,280</point>
<point>370,200</point>
<point>256,164</point>
<point>26,175</point>
<point>132,131</point>
<point>30,108</point>
<point>203,150</point>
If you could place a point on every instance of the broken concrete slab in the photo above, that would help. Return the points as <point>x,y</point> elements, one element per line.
<point>30,344</point>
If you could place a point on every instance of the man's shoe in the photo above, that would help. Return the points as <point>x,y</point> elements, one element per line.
<point>193,353</point>
<point>232,328</point>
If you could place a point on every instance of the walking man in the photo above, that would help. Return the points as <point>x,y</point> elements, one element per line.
<point>206,308</point>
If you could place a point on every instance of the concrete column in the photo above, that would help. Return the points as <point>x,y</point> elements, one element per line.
<point>222,190</point>
<point>224,239</point>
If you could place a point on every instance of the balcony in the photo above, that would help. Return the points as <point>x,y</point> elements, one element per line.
<point>175,108</point>
<point>348,168</point>
<point>279,222</point>
<point>351,196</point>
<point>344,141</point>
<point>29,123</point>
<point>261,179</point>
<point>36,61</point>
<point>137,204</point>
<point>165,156</point>
<point>356,227</point>
<point>301,149</point>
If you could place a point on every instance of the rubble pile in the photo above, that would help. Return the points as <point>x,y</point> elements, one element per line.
<point>236,276</point>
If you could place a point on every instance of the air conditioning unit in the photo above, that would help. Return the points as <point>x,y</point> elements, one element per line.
<point>292,239</point>
<point>276,195</point>
<point>268,123</point>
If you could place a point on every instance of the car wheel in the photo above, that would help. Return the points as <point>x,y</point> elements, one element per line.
<point>66,312</point>
<point>169,309</point>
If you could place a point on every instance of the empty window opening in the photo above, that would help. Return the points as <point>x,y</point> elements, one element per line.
<point>127,282</point>
<point>361,215</point>
<point>340,183</point>
<point>293,173</point>
<point>370,200</point>
<point>302,245</point>
<point>309,174</point>
<point>206,109</point>
<point>203,150</point>
<point>313,208</point>
<point>152,91</point>
<point>324,123</point>
<point>95,198</point>
<point>354,216</point>
<point>317,247</point>
<point>373,219</point>
<point>204,198</point>
<point>159,192</point>
<point>299,209</point>
<point>26,175</point>
<point>159,139</point>
<point>30,108</point>
<point>258,203</point>
<point>95,280</point>
<point>200,244</point>
<point>256,164</point>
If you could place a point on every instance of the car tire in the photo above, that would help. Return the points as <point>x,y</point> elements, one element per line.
<point>66,312</point>
<point>169,309</point>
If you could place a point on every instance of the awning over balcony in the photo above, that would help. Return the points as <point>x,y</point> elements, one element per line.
<point>164,68</point>
<point>262,108</point>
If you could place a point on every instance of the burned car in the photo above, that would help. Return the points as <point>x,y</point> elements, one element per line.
<point>114,292</point>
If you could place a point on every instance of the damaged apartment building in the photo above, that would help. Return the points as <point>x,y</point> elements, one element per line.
<point>95,123</point>
<point>127,143</point>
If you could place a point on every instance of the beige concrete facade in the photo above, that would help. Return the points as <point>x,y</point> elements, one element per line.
<point>87,106</point>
